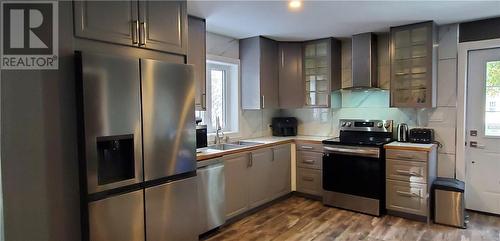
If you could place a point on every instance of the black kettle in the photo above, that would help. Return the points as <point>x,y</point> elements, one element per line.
<point>403,132</point>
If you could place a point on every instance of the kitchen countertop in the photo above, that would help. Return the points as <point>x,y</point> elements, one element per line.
<point>410,146</point>
<point>265,141</point>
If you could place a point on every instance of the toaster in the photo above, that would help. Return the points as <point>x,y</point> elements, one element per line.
<point>422,135</point>
<point>284,126</point>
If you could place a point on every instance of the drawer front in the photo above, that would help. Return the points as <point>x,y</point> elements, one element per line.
<point>409,171</point>
<point>309,159</point>
<point>407,197</point>
<point>405,155</point>
<point>306,146</point>
<point>309,181</point>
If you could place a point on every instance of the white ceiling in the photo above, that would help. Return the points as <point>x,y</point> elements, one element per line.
<point>318,19</point>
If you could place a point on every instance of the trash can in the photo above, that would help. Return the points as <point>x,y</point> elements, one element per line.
<point>449,206</point>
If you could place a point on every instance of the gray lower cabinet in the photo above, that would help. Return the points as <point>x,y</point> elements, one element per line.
<point>157,25</point>
<point>236,180</point>
<point>309,165</point>
<point>409,177</point>
<point>196,56</point>
<point>259,176</point>
<point>281,171</point>
<point>255,178</point>
<point>259,73</point>
<point>291,86</point>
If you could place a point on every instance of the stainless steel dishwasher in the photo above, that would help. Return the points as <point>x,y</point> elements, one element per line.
<point>211,194</point>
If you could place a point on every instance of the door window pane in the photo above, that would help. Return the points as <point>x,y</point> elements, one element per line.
<point>492,100</point>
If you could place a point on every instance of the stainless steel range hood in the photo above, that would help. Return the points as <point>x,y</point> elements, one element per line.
<point>364,61</point>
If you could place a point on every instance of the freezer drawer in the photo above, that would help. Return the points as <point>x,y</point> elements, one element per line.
<point>118,218</point>
<point>172,211</point>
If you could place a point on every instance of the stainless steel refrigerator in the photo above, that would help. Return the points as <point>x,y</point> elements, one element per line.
<point>137,149</point>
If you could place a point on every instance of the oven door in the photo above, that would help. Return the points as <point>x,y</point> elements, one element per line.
<point>356,171</point>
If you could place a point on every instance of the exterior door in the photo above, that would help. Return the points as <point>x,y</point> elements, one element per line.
<point>483,131</point>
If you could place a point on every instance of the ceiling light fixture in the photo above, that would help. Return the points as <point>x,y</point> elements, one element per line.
<point>295,4</point>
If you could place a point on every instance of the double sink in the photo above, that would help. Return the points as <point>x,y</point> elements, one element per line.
<point>230,146</point>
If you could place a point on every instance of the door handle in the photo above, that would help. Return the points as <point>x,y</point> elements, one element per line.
<point>308,161</point>
<point>307,147</point>
<point>142,34</point>
<point>474,144</point>
<point>263,102</point>
<point>135,32</point>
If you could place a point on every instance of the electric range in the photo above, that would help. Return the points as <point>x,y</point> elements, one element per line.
<point>354,166</point>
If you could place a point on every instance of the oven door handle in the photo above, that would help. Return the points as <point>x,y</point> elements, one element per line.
<point>354,151</point>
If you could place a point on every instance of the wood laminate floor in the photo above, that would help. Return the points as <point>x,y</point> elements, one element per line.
<point>297,218</point>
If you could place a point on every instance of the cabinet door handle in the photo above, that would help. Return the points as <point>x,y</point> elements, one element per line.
<point>408,173</point>
<point>306,147</point>
<point>203,101</point>
<point>282,59</point>
<point>250,160</point>
<point>308,161</point>
<point>406,157</point>
<point>263,102</point>
<point>407,194</point>
<point>308,179</point>
<point>135,32</point>
<point>272,149</point>
<point>142,34</point>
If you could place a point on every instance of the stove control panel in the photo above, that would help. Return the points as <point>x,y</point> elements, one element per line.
<point>366,125</point>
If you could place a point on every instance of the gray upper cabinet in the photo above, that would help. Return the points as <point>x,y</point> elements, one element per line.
<point>322,71</point>
<point>413,65</point>
<point>163,25</point>
<point>197,57</point>
<point>110,21</point>
<point>149,24</point>
<point>291,87</point>
<point>259,73</point>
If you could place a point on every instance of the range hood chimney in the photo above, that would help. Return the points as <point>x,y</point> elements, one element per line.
<point>364,61</point>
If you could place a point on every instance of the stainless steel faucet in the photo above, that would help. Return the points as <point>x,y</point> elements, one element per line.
<point>219,134</point>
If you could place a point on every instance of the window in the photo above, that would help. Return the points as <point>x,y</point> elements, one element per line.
<point>222,96</point>
<point>492,113</point>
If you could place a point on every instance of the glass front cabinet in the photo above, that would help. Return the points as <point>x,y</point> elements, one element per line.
<point>414,65</point>
<point>321,71</point>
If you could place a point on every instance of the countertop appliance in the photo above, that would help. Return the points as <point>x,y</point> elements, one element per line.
<point>284,126</point>
<point>403,132</point>
<point>211,194</point>
<point>201,136</point>
<point>422,135</point>
<point>354,166</point>
<point>137,148</point>
<point>449,206</point>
